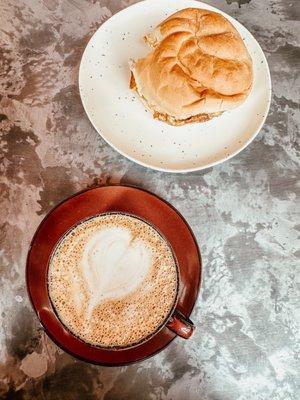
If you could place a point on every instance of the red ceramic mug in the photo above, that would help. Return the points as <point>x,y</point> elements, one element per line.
<point>132,201</point>
<point>181,325</point>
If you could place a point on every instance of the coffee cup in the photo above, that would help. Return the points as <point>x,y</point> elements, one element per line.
<point>114,316</point>
<point>113,281</point>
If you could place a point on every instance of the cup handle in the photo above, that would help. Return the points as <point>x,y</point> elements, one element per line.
<point>181,325</point>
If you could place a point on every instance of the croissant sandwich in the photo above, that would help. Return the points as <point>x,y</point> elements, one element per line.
<point>198,68</point>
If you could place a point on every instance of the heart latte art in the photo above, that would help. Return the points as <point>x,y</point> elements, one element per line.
<point>114,264</point>
<point>113,280</point>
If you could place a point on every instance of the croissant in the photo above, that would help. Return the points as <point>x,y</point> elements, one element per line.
<point>199,67</point>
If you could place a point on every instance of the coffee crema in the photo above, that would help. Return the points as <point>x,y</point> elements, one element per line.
<point>113,280</point>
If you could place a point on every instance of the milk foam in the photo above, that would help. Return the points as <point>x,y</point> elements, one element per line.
<point>114,263</point>
<point>112,280</point>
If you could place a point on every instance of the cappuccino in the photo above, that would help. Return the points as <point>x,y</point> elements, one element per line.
<point>113,280</point>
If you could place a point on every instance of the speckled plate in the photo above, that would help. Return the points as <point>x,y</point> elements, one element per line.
<point>121,119</point>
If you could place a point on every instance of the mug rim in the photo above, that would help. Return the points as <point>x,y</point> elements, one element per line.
<point>174,302</point>
<point>189,299</point>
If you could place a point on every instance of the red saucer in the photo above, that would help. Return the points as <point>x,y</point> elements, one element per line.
<point>87,204</point>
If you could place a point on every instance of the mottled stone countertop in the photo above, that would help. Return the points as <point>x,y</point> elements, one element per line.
<point>243,212</point>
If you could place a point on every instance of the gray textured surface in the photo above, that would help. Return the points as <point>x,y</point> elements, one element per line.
<point>243,212</point>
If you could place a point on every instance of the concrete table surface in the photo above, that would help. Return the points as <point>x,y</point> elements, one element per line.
<point>243,212</point>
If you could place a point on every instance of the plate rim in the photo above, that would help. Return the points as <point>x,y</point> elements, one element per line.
<point>179,170</point>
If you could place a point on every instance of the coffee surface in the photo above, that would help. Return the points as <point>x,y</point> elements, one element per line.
<point>112,280</point>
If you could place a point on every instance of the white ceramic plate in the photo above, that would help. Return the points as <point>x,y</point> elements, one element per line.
<point>121,119</point>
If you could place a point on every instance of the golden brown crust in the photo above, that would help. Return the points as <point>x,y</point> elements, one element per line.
<point>132,83</point>
<point>199,66</point>
<point>168,118</point>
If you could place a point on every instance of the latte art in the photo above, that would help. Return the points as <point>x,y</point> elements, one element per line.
<point>114,264</point>
<point>113,280</point>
